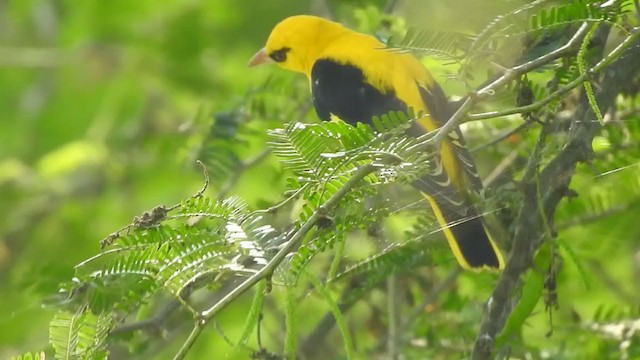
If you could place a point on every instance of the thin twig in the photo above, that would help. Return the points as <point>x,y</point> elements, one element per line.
<point>275,208</point>
<point>526,67</point>
<point>154,323</point>
<point>501,168</point>
<point>502,137</point>
<point>563,90</point>
<point>149,218</point>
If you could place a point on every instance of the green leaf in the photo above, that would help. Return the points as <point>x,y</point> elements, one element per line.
<point>337,314</point>
<point>80,335</point>
<point>253,316</point>
<point>532,289</point>
<point>30,356</point>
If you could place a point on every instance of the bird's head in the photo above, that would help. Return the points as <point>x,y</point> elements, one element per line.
<point>297,42</point>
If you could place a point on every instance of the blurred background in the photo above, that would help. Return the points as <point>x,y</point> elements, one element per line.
<point>103,107</point>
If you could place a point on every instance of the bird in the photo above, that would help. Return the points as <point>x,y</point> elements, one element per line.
<point>354,77</point>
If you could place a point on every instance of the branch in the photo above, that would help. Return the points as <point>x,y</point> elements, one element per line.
<point>526,67</point>
<point>563,90</point>
<point>275,208</point>
<point>553,181</point>
<point>435,137</point>
<point>267,270</point>
<point>154,324</point>
<point>502,137</point>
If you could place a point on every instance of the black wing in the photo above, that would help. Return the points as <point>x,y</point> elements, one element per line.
<point>341,90</point>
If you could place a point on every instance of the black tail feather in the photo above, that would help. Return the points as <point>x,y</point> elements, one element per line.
<point>474,243</point>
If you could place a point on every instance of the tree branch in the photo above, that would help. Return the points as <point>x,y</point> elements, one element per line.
<point>563,90</point>
<point>154,323</point>
<point>502,137</point>
<point>435,137</point>
<point>554,180</point>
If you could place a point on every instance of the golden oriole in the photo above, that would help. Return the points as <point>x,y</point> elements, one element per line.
<point>353,77</point>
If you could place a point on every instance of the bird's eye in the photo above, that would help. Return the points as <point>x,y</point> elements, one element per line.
<point>279,55</point>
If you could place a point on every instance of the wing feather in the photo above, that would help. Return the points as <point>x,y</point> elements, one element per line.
<point>440,111</point>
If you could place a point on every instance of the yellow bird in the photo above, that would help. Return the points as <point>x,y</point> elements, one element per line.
<point>354,77</point>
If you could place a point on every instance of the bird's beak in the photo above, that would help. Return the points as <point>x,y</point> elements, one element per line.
<point>260,57</point>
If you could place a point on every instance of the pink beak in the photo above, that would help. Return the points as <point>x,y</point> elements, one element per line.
<point>260,57</point>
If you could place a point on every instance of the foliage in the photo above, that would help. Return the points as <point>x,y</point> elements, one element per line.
<point>81,335</point>
<point>111,110</point>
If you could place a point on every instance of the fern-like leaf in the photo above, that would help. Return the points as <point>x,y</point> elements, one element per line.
<point>80,335</point>
<point>441,45</point>
<point>177,259</point>
<point>30,356</point>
